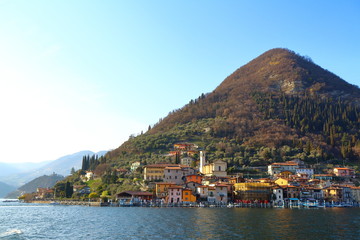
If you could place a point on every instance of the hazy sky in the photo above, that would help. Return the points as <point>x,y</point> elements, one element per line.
<point>85,74</point>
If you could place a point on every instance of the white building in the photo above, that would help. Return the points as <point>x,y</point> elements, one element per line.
<point>276,168</point>
<point>278,196</point>
<point>308,171</point>
<point>188,161</point>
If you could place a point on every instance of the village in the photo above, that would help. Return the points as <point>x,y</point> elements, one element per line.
<point>192,182</point>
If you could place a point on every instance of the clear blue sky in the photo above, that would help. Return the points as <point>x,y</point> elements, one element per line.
<point>85,74</point>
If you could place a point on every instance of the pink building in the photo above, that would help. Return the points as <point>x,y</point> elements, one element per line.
<point>174,194</point>
<point>344,172</point>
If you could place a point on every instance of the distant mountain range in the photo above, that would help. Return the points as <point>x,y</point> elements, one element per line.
<point>46,181</point>
<point>21,175</point>
<point>5,189</point>
<point>7,169</point>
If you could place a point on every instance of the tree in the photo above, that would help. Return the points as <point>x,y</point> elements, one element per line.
<point>68,190</point>
<point>93,195</point>
<point>72,172</point>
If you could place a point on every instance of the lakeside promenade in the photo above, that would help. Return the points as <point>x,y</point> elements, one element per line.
<point>297,204</point>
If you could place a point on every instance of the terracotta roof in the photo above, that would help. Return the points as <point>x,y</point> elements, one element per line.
<point>285,164</point>
<point>175,186</point>
<point>173,168</point>
<point>137,193</point>
<point>165,183</point>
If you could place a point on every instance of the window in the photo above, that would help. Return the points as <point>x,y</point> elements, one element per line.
<point>219,168</point>
<point>175,177</point>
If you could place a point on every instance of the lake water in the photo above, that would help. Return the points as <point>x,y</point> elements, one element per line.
<point>30,221</point>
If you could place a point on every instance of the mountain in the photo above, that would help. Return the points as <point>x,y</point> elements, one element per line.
<point>278,107</point>
<point>39,182</point>
<point>60,166</point>
<point>14,168</point>
<point>5,189</point>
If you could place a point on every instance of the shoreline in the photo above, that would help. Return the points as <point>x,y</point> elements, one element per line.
<point>195,205</point>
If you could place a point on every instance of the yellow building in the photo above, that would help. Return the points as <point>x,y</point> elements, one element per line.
<point>161,189</point>
<point>187,196</point>
<point>282,181</point>
<point>217,168</point>
<point>253,191</point>
<point>156,171</point>
<point>333,194</point>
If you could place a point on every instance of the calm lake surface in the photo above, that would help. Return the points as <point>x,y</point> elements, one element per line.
<point>30,221</point>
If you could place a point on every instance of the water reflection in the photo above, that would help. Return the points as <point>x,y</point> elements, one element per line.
<point>181,223</point>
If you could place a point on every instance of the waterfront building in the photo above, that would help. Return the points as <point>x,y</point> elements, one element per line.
<point>174,194</point>
<point>188,196</point>
<point>355,193</point>
<point>221,193</point>
<point>333,193</point>
<point>211,198</point>
<point>133,197</point>
<point>43,193</point>
<point>277,195</point>
<point>311,193</point>
<point>203,192</point>
<point>253,191</point>
<point>291,191</point>
<point>161,189</point>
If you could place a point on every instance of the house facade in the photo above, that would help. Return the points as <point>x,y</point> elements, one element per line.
<point>177,174</point>
<point>344,172</point>
<point>188,196</point>
<point>253,191</point>
<point>161,189</point>
<point>217,168</point>
<point>174,194</point>
<point>277,168</point>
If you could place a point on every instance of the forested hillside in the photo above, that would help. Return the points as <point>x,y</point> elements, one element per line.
<point>278,107</point>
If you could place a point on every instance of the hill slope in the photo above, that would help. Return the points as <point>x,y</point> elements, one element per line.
<point>60,166</point>
<point>5,189</point>
<point>46,181</point>
<point>277,107</point>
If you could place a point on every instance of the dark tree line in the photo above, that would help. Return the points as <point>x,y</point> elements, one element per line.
<point>90,163</point>
<point>337,120</point>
